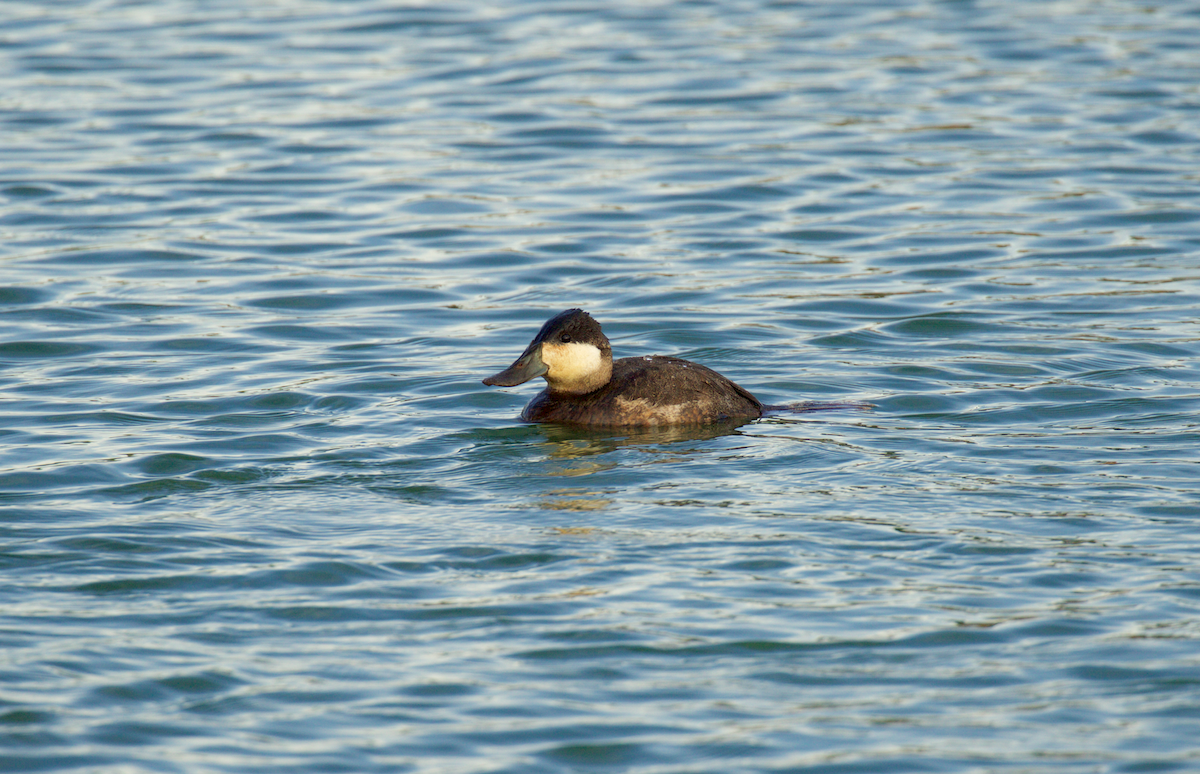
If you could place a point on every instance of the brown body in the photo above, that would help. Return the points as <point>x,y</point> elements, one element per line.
<point>649,391</point>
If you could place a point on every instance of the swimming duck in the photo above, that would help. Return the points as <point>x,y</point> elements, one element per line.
<point>585,386</point>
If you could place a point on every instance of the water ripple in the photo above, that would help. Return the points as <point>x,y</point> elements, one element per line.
<point>257,510</point>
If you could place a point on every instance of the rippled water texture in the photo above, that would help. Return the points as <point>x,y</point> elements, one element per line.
<point>257,512</point>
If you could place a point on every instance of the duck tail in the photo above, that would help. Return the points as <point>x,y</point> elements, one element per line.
<point>808,405</point>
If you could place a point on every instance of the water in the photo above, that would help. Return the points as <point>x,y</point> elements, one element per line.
<point>259,514</point>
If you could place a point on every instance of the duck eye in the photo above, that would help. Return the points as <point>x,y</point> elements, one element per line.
<point>565,338</point>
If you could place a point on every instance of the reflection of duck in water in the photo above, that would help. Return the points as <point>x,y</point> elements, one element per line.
<point>585,386</point>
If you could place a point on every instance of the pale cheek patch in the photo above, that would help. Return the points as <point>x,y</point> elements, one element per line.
<point>573,363</point>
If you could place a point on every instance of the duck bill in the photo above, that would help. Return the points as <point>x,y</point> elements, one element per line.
<point>528,366</point>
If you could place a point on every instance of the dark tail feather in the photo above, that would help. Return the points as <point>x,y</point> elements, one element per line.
<point>797,408</point>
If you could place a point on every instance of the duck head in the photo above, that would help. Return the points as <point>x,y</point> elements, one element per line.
<point>570,352</point>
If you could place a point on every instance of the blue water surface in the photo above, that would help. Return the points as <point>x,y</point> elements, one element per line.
<point>257,512</point>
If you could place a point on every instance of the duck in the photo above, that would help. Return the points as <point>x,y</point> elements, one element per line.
<point>585,386</point>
